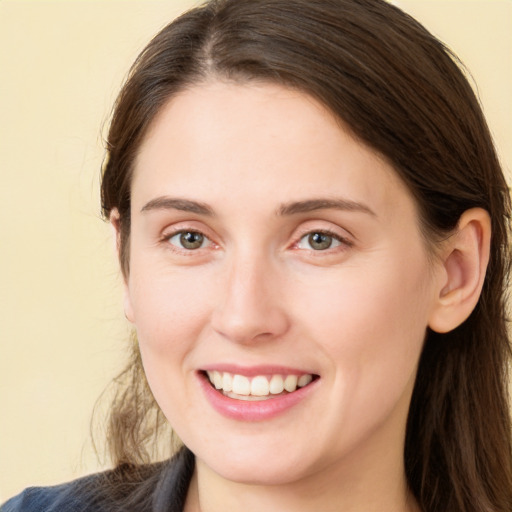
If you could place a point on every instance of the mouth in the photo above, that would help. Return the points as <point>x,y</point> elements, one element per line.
<point>258,387</point>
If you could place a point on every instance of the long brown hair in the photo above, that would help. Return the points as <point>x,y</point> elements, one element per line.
<point>403,93</point>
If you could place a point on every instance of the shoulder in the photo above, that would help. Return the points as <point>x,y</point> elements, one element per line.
<point>102,492</point>
<point>141,488</point>
<point>66,498</point>
<point>91,493</point>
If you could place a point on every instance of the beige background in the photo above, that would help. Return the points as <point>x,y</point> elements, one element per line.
<point>61,327</point>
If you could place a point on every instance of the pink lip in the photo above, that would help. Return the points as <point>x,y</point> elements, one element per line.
<point>253,371</point>
<point>260,410</point>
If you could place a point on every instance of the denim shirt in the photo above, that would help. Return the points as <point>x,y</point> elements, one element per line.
<point>167,484</point>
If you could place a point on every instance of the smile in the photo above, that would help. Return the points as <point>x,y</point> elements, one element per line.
<point>256,393</point>
<point>259,387</point>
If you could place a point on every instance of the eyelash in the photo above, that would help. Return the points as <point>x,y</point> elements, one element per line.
<point>342,242</point>
<point>183,250</point>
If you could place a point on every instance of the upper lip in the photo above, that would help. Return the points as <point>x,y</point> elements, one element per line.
<point>253,371</point>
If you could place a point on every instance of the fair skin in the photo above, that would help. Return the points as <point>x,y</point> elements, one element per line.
<point>303,256</point>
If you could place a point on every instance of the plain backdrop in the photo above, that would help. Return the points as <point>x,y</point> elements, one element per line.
<point>62,331</point>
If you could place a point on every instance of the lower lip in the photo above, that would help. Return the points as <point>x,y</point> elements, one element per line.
<point>260,410</point>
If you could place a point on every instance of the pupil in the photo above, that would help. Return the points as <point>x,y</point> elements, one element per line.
<point>320,241</point>
<point>191,240</point>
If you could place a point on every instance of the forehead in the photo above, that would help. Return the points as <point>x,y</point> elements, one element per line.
<point>262,142</point>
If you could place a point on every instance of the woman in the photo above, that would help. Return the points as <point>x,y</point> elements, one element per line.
<point>312,226</point>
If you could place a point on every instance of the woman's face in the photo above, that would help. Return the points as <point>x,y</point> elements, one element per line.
<point>269,246</point>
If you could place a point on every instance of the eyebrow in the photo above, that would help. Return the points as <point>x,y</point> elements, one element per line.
<point>292,208</point>
<point>311,205</point>
<point>184,205</point>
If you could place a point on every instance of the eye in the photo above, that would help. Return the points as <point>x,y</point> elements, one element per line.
<point>319,241</point>
<point>189,240</point>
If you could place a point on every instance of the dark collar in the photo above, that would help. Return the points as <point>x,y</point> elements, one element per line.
<point>172,487</point>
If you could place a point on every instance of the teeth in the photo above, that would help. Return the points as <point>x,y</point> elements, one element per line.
<point>276,384</point>
<point>304,380</point>
<point>216,379</point>
<point>290,383</point>
<point>259,386</point>
<point>241,385</point>
<point>227,382</point>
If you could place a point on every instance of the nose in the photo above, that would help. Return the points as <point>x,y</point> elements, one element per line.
<point>250,306</point>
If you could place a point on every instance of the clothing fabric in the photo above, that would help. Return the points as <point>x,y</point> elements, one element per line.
<point>158,487</point>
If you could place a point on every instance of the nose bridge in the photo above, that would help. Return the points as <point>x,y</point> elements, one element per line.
<point>250,308</point>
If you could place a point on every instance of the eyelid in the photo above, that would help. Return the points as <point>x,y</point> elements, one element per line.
<point>206,242</point>
<point>344,241</point>
<point>335,240</point>
<point>186,227</point>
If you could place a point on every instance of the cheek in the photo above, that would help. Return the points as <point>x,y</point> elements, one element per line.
<point>169,317</point>
<point>169,307</point>
<point>372,326</point>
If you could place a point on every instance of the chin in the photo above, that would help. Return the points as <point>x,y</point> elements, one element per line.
<point>267,474</point>
<point>263,466</point>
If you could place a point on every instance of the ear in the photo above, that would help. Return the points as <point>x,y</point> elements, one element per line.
<point>115,222</point>
<point>464,263</point>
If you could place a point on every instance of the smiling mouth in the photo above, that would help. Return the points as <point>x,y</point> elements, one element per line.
<point>260,387</point>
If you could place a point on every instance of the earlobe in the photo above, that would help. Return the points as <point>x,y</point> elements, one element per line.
<point>114,219</point>
<point>464,263</point>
